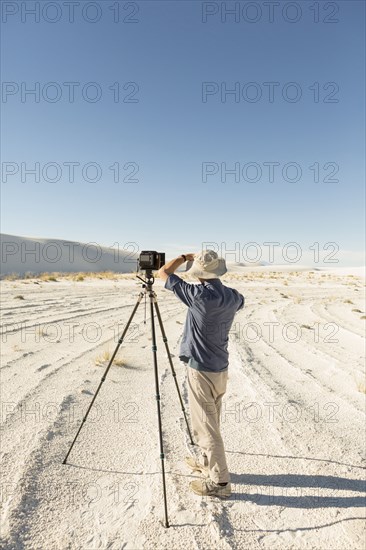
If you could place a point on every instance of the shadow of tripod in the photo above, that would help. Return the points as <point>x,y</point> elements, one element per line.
<point>147,288</point>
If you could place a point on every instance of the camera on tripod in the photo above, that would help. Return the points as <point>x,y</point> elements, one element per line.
<point>151,260</point>
<point>148,260</point>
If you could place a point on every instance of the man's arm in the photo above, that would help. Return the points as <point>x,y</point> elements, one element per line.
<point>242,303</point>
<point>171,266</point>
<point>186,292</point>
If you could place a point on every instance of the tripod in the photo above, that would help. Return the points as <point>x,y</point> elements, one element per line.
<point>147,289</point>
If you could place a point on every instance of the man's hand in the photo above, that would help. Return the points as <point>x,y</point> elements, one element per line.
<point>171,266</point>
<point>190,257</point>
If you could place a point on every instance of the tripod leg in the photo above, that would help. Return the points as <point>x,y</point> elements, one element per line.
<point>105,373</point>
<point>165,340</point>
<point>157,395</point>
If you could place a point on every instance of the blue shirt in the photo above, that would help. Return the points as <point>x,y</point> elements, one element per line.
<point>211,310</point>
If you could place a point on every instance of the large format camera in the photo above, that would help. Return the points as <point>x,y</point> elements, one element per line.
<point>150,259</point>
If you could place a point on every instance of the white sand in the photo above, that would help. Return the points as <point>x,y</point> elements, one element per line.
<point>293,419</point>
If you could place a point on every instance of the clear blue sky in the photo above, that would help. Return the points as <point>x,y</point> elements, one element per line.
<point>170,132</point>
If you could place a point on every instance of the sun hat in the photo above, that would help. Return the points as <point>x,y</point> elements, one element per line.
<point>207,265</point>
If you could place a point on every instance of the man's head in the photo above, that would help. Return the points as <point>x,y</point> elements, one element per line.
<point>207,265</point>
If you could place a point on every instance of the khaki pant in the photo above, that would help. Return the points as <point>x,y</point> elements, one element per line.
<point>205,393</point>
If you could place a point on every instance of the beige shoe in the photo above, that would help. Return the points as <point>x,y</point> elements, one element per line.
<point>206,487</point>
<point>195,466</point>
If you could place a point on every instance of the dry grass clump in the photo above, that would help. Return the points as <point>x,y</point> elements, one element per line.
<point>41,331</point>
<point>104,357</point>
<point>47,277</point>
<point>82,275</point>
<point>360,381</point>
<point>75,276</point>
<point>111,275</point>
<point>10,277</point>
<point>15,276</point>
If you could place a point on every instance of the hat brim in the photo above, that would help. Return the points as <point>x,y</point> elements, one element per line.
<point>193,270</point>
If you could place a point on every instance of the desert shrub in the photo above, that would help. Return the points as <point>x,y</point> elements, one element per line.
<point>104,357</point>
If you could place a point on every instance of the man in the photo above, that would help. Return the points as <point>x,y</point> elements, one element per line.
<point>211,310</point>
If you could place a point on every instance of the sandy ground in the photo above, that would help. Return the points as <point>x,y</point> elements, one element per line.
<point>292,418</point>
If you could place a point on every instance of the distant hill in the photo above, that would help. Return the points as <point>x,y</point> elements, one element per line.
<point>23,255</point>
